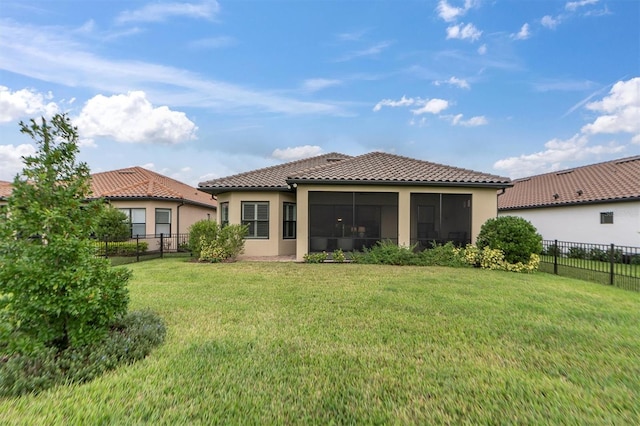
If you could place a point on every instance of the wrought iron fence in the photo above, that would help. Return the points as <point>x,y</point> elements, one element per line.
<point>143,247</point>
<point>602,263</point>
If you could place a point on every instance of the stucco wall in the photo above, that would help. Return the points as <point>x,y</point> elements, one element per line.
<point>581,224</point>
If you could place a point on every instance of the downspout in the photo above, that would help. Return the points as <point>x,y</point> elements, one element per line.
<point>178,217</point>
<point>504,189</point>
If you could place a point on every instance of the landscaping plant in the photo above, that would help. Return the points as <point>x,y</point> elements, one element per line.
<point>113,225</point>
<point>516,237</point>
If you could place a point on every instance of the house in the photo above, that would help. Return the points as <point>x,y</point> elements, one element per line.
<point>335,201</point>
<point>155,204</point>
<point>598,203</point>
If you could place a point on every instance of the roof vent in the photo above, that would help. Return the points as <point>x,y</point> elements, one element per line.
<point>556,196</point>
<point>566,172</point>
<point>628,160</point>
<point>127,172</point>
<point>579,192</point>
<point>334,160</point>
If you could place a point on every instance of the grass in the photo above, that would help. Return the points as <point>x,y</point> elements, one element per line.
<point>626,276</point>
<point>264,343</point>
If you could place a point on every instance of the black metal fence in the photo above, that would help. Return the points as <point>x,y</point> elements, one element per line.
<point>602,263</point>
<point>143,247</point>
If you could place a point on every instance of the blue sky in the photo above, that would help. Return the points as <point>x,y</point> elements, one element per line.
<point>202,89</point>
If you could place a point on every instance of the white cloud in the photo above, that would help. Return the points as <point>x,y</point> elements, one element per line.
<point>573,5</point>
<point>404,101</point>
<point>24,103</point>
<point>552,158</point>
<point>621,110</point>
<point>549,21</point>
<point>432,106</point>
<point>454,81</point>
<point>297,152</point>
<point>482,50</point>
<point>52,55</point>
<point>132,118</point>
<point>476,121</point>
<point>523,34</point>
<point>450,13</point>
<point>11,159</point>
<point>462,32</point>
<point>316,84</point>
<point>159,12</point>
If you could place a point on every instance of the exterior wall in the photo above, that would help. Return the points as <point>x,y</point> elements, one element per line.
<point>581,223</point>
<point>275,245</point>
<point>483,207</point>
<point>189,214</point>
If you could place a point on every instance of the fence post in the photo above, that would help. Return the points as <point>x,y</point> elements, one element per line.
<point>612,263</point>
<point>161,245</point>
<point>106,249</point>
<point>137,248</point>
<point>556,249</point>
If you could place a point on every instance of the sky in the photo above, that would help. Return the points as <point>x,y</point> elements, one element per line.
<point>201,89</point>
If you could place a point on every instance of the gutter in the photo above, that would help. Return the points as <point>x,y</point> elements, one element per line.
<point>178,216</point>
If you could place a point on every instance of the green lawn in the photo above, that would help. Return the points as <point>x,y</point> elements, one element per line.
<point>263,343</point>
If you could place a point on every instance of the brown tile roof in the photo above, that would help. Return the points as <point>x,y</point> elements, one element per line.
<point>269,178</point>
<point>137,182</point>
<point>609,181</point>
<point>383,168</point>
<point>372,168</point>
<point>5,189</point>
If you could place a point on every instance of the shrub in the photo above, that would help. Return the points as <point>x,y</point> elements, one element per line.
<point>202,231</point>
<point>441,255</point>
<point>387,253</point>
<point>113,225</point>
<point>488,258</point>
<point>576,252</point>
<point>552,250</point>
<point>131,338</point>
<point>120,249</point>
<point>315,257</point>
<point>338,256</point>
<point>227,244</point>
<point>516,237</point>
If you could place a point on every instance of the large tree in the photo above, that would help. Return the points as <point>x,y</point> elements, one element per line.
<point>53,290</point>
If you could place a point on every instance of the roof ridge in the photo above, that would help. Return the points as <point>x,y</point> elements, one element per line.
<point>584,166</point>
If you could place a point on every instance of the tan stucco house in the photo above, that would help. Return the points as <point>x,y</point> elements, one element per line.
<point>337,201</point>
<point>154,203</point>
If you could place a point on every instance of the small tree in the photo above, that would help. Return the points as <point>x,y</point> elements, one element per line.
<point>516,237</point>
<point>53,291</point>
<point>113,225</point>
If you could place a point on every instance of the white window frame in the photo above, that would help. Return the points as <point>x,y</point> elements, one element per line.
<point>255,214</point>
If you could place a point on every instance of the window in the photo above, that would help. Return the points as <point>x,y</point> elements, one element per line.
<point>224,214</point>
<point>606,217</point>
<point>289,221</point>
<point>256,216</point>
<point>137,221</point>
<point>163,222</point>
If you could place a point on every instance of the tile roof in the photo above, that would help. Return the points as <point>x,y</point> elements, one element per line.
<point>5,189</point>
<point>270,178</point>
<point>609,181</point>
<point>137,182</point>
<point>372,168</point>
<point>380,167</point>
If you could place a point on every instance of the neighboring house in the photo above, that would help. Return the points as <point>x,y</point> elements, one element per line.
<point>154,203</point>
<point>335,201</point>
<point>598,203</point>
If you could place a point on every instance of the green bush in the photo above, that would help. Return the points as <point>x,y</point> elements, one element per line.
<point>338,256</point>
<point>121,249</point>
<point>576,252</point>
<point>227,244</point>
<point>113,225</point>
<point>315,257</point>
<point>387,253</point>
<point>130,339</point>
<point>516,237</point>
<point>202,231</point>
<point>442,255</point>
<point>488,258</point>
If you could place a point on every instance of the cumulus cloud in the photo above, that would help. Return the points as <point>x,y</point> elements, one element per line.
<point>24,103</point>
<point>160,12</point>
<point>296,152</point>
<point>573,5</point>
<point>454,81</point>
<point>621,110</point>
<point>462,32</point>
<point>550,22</point>
<point>449,13</point>
<point>11,159</point>
<point>479,120</point>
<point>132,118</point>
<point>552,158</point>
<point>523,34</point>
<point>433,106</point>
<point>316,84</point>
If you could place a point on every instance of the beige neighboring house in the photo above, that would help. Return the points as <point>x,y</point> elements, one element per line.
<point>335,201</point>
<point>597,203</point>
<point>154,203</point>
